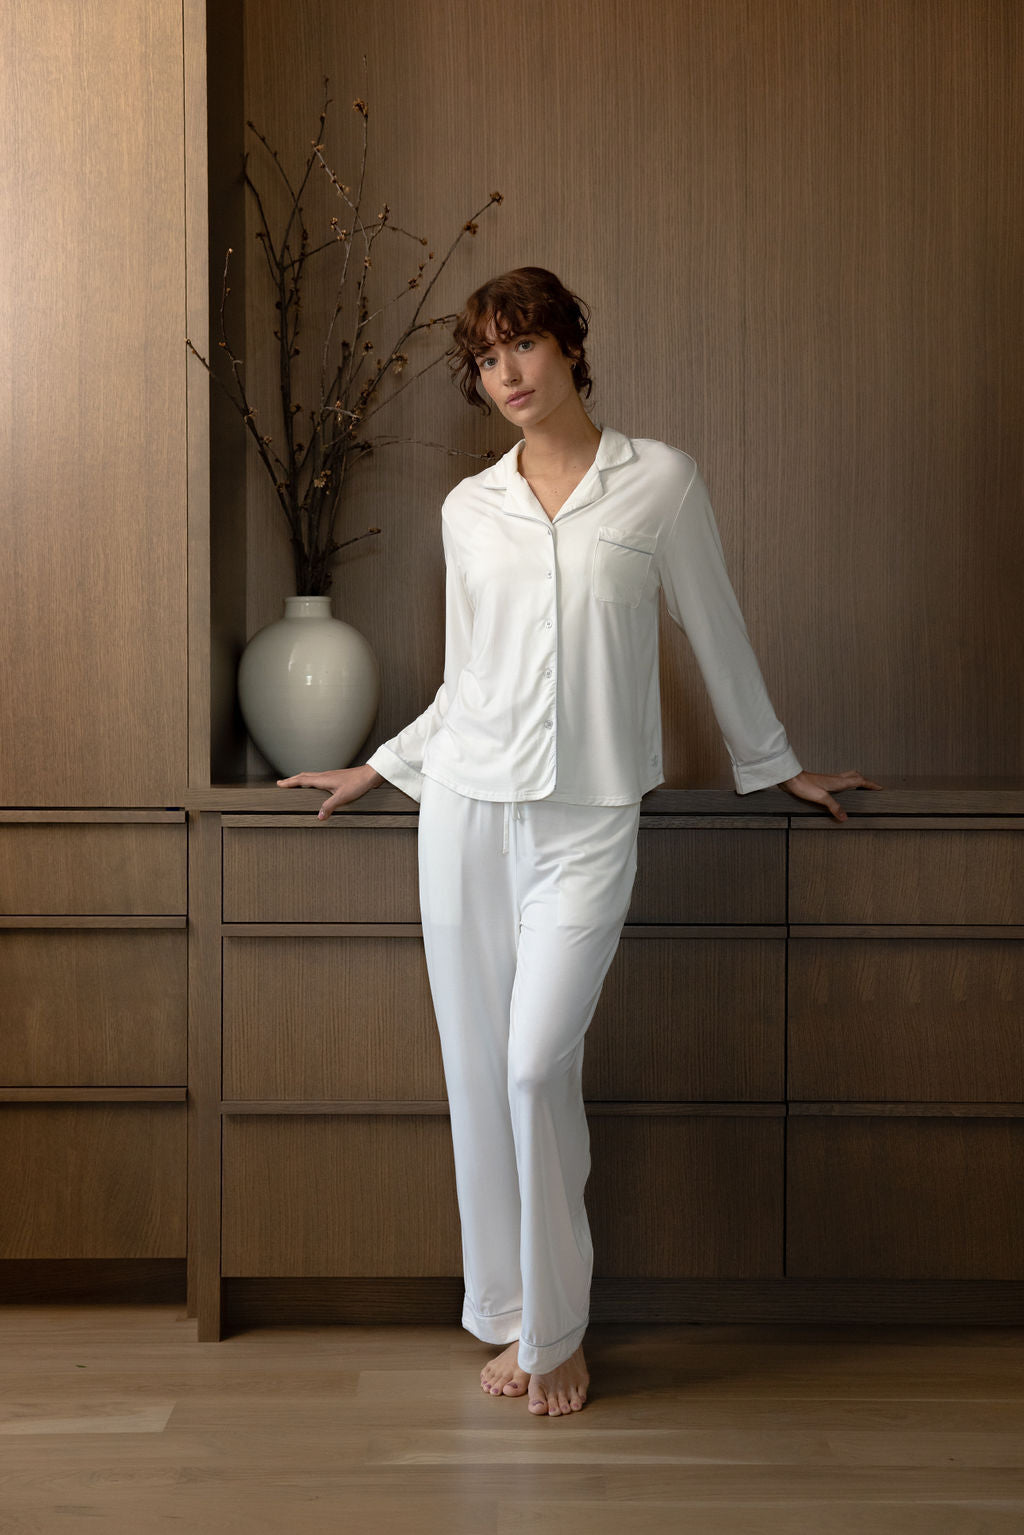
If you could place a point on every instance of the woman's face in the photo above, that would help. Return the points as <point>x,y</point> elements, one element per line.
<point>528,377</point>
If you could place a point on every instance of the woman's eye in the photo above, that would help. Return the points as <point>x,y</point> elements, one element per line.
<point>525,342</point>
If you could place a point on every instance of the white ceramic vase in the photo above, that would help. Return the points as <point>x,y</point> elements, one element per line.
<point>308,686</point>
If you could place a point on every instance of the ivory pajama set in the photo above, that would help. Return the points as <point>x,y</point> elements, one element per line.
<point>529,766</point>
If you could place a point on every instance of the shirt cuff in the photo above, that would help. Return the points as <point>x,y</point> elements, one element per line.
<point>404,777</point>
<point>764,775</point>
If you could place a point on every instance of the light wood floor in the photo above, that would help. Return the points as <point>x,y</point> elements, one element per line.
<point>114,1421</point>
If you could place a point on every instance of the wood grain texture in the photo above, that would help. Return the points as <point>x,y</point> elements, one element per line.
<point>906,1019</point>
<point>204,1074</point>
<point>93,868</point>
<point>688,1196</point>
<point>94,1180</point>
<point>101,1007</point>
<point>329,1018</point>
<point>798,227</point>
<point>323,874</point>
<point>336,1195</point>
<point>689,1018</point>
<point>934,875</point>
<point>903,1198</point>
<point>732,875</point>
<point>92,363</point>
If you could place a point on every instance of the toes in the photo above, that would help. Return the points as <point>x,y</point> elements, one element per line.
<point>514,1387</point>
<point>540,1405</point>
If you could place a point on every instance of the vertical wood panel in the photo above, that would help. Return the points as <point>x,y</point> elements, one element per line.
<point>92,368</point>
<point>798,225</point>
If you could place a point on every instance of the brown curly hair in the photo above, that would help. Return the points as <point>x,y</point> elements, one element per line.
<point>528,299</point>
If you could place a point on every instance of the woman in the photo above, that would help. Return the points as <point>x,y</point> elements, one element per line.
<point>529,766</point>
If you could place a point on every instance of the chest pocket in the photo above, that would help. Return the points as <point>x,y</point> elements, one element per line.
<point>622,563</point>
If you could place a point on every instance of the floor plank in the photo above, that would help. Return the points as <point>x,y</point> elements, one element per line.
<point>114,1419</point>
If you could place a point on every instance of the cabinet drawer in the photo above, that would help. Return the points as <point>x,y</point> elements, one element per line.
<point>686,1196</point>
<point>872,1197</point>
<point>901,873</point>
<point>339,1194</point>
<point>94,1180</point>
<point>320,1018</point>
<point>690,1019</point>
<point>714,874</point>
<point>906,1019</point>
<point>93,1007</point>
<point>93,868</point>
<point>325,872</point>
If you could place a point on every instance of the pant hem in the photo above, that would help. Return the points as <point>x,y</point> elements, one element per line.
<point>539,1359</point>
<point>502,1328</point>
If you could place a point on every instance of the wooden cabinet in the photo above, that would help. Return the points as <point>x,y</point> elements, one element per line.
<point>806,1066</point>
<point>93,1064</point>
<point>906,1052</point>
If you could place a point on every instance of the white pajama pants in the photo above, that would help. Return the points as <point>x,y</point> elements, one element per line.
<point>522,908</point>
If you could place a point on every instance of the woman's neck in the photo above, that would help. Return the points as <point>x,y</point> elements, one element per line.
<point>560,446</point>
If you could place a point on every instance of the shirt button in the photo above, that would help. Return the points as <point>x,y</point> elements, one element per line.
<point>547,724</point>
<point>547,623</point>
<point>549,575</point>
<point>548,672</point>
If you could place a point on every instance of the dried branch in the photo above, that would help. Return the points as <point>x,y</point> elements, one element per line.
<point>310,477</point>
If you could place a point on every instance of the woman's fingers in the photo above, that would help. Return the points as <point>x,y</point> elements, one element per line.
<point>339,797</point>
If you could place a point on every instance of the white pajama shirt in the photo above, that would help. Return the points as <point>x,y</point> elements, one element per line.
<point>551,646</point>
<point>530,764</point>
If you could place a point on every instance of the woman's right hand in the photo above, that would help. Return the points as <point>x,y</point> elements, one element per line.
<point>346,784</point>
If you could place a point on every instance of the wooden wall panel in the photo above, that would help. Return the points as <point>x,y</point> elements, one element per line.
<point>321,1018</point>
<point>94,1181</point>
<point>326,873</point>
<point>796,224</point>
<point>709,875</point>
<point>931,874</point>
<point>92,368</point>
<point>871,1198</point>
<point>82,867</point>
<point>103,1007</point>
<point>690,1019</point>
<point>337,1194</point>
<point>906,1020</point>
<point>686,1196</point>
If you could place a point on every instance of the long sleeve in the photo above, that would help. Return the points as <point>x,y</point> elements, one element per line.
<point>701,600</point>
<point>400,760</point>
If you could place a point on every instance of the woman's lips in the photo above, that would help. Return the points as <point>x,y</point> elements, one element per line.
<point>517,399</point>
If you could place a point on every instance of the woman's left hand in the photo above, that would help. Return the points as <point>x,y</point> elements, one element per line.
<point>815,786</point>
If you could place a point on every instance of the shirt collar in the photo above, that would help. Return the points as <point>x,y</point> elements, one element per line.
<point>614,448</point>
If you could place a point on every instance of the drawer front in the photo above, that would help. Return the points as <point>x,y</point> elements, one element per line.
<point>323,873</point>
<point>906,1019</point>
<point>336,1194</point>
<point>688,1196</point>
<point>93,1007</point>
<point>329,1018</point>
<point>692,874</point>
<point>902,875</point>
<point>689,1020</point>
<point>93,869</point>
<point>94,1180</point>
<point>904,1198</point>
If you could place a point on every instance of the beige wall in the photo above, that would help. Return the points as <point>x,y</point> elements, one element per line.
<point>799,227</point>
<point>92,368</point>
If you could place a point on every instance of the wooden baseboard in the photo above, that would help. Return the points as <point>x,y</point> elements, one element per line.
<point>438,1301</point>
<point>28,1281</point>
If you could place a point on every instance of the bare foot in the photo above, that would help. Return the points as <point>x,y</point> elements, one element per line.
<point>563,1389</point>
<point>502,1376</point>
